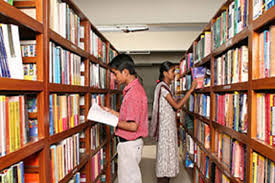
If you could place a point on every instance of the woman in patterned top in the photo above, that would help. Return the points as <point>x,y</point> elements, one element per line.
<point>163,125</point>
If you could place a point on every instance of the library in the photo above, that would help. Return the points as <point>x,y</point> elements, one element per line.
<point>210,107</point>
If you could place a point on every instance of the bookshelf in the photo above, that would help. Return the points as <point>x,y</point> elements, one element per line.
<point>78,42</point>
<point>259,84</point>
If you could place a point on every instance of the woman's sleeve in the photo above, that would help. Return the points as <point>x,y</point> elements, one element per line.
<point>164,92</point>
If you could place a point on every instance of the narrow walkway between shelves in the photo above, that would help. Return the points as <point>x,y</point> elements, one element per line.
<point>147,166</point>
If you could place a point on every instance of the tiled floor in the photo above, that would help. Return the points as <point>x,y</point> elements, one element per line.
<point>147,166</point>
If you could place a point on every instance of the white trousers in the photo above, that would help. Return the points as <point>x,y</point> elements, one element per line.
<point>129,156</point>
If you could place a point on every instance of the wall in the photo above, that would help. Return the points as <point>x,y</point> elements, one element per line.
<point>156,41</point>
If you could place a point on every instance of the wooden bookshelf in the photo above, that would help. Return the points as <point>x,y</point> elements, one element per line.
<point>39,29</point>
<point>253,86</point>
<point>232,42</point>
<point>12,15</point>
<point>204,60</point>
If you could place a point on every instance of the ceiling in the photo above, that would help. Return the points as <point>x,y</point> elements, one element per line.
<point>184,18</point>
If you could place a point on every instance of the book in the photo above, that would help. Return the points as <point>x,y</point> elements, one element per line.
<point>96,113</point>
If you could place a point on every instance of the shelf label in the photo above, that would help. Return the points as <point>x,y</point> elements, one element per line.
<point>73,46</point>
<point>227,87</point>
<point>228,43</point>
<point>75,170</point>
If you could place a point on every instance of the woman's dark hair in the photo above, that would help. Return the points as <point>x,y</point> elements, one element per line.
<point>123,61</point>
<point>164,67</point>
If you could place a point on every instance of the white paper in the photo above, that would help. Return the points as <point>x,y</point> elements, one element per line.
<point>96,113</point>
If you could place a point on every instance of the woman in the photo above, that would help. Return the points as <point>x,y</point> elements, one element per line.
<point>163,124</point>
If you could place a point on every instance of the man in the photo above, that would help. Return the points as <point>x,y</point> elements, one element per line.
<point>133,120</point>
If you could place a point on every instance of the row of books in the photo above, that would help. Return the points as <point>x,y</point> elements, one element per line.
<point>30,72</point>
<point>266,117</point>
<point>232,67</point>
<point>266,44</point>
<point>263,169</point>
<point>202,105</point>
<point>64,21</point>
<point>98,76</point>
<point>64,66</point>
<point>99,99</point>
<point>64,157</point>
<point>97,136</point>
<point>97,162</point>
<point>11,65</point>
<point>190,103</point>
<point>28,48</point>
<point>232,153</point>
<point>15,173</point>
<point>231,110</point>
<point>14,127</point>
<point>202,48</point>
<point>186,63</point>
<point>184,83</point>
<point>114,102</point>
<point>113,84</point>
<point>63,112</point>
<point>261,6</point>
<point>97,47</point>
<point>203,133</point>
<point>188,120</point>
<point>202,161</point>
<point>217,175</point>
<point>231,21</point>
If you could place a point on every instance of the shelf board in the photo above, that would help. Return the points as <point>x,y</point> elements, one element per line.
<point>97,61</point>
<point>93,152</point>
<point>22,153</point>
<point>264,19</point>
<point>24,4</point>
<point>114,156</point>
<point>67,44</point>
<point>76,169</point>
<point>97,90</point>
<point>263,148</point>
<point>9,84</point>
<point>203,90</point>
<point>67,88</point>
<point>115,91</point>
<point>224,169</point>
<point>231,42</point>
<point>204,60</point>
<point>67,133</point>
<point>198,116</point>
<point>32,115</point>
<point>243,138</point>
<point>243,86</point>
<point>29,60</point>
<point>10,14</point>
<point>263,84</point>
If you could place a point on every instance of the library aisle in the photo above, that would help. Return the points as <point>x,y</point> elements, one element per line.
<point>147,166</point>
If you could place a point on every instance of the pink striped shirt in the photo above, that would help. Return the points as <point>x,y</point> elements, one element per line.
<point>134,108</point>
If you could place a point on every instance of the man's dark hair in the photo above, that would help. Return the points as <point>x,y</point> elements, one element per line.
<point>123,61</point>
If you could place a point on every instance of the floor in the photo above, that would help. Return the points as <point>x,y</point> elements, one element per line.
<point>147,166</point>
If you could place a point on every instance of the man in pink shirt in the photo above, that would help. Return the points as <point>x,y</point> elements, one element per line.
<point>133,120</point>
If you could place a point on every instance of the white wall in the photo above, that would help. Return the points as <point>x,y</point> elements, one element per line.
<point>152,40</point>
